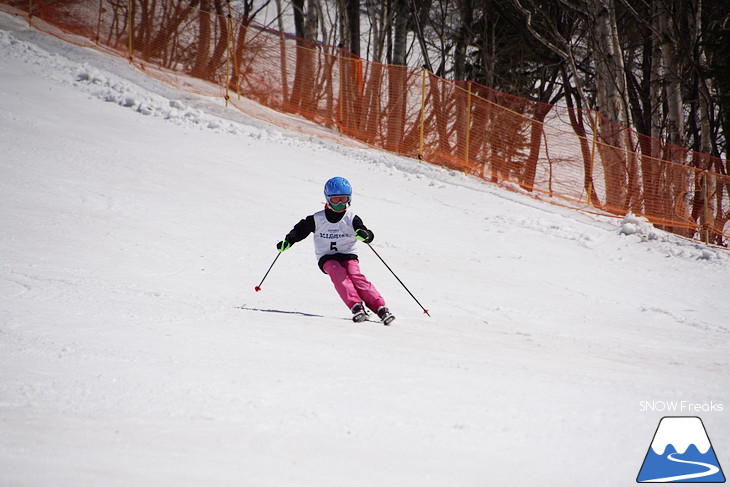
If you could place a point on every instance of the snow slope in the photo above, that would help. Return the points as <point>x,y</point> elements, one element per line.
<point>136,220</point>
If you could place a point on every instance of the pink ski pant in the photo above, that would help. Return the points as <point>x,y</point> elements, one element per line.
<point>351,284</point>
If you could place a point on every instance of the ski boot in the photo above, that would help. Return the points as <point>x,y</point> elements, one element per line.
<point>358,313</point>
<point>385,316</point>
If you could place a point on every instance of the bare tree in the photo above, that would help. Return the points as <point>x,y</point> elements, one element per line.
<point>397,76</point>
<point>349,23</point>
<point>306,22</point>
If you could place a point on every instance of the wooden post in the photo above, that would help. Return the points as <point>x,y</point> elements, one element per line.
<point>30,13</point>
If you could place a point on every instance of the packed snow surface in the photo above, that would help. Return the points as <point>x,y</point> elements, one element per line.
<point>136,220</point>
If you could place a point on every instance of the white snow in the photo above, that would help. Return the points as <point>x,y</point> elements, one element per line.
<point>135,221</point>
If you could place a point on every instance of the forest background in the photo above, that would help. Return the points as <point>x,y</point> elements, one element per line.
<point>515,69</point>
<point>661,67</point>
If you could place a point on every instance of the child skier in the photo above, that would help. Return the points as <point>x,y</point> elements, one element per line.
<point>336,230</point>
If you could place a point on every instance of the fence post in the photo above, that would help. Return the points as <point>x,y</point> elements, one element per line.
<point>423,113</point>
<point>468,123</point>
<point>30,13</point>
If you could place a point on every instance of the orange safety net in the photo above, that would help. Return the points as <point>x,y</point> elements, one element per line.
<point>555,153</point>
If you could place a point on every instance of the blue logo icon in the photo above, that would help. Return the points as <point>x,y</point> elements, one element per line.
<point>681,452</point>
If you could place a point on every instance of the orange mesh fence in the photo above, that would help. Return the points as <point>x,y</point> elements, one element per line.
<point>548,151</point>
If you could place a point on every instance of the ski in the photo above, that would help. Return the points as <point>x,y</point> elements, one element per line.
<point>388,320</point>
<point>366,316</point>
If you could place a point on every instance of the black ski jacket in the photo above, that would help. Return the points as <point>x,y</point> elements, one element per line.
<point>306,226</point>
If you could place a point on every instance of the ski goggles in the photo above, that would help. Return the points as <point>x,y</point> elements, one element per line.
<point>336,200</point>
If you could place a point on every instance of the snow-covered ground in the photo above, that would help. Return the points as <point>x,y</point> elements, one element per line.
<point>135,221</point>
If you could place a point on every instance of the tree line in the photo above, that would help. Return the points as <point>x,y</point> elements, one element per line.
<point>597,66</point>
<point>661,67</point>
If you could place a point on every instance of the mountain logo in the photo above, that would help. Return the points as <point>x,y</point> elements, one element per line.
<point>681,452</point>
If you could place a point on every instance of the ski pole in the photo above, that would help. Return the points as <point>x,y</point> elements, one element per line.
<point>258,288</point>
<point>401,282</point>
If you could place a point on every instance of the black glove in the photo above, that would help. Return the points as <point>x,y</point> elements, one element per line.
<point>364,235</point>
<point>283,245</point>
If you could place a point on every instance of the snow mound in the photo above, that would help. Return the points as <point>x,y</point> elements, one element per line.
<point>639,226</point>
<point>672,245</point>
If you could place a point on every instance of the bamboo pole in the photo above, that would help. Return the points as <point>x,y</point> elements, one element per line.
<point>229,50</point>
<point>705,212</point>
<point>340,97</point>
<point>468,124</point>
<point>423,113</point>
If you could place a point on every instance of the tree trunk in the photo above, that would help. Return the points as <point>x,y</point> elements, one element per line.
<point>704,87</point>
<point>352,23</point>
<point>201,53</point>
<point>218,59</point>
<point>536,131</point>
<point>282,50</point>
<point>305,23</point>
<point>575,114</point>
<point>610,98</point>
<point>397,77</point>
<point>671,75</point>
<point>463,38</point>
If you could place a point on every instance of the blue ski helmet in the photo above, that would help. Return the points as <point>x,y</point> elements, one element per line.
<point>334,190</point>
